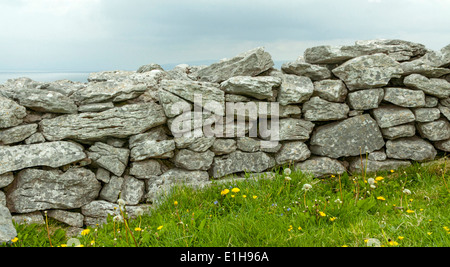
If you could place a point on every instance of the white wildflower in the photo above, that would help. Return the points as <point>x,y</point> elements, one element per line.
<point>371,181</point>
<point>287,171</point>
<point>287,178</point>
<point>139,212</point>
<point>121,202</point>
<point>307,187</point>
<point>117,218</point>
<point>407,191</point>
<point>373,186</point>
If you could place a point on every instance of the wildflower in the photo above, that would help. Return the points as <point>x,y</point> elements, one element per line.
<point>137,229</point>
<point>401,237</point>
<point>306,187</point>
<point>232,196</point>
<point>287,171</point>
<point>121,202</point>
<point>290,228</point>
<point>371,181</point>
<point>299,228</point>
<point>14,240</point>
<point>235,190</point>
<point>225,192</point>
<point>159,228</point>
<point>92,242</point>
<point>255,197</point>
<point>175,203</point>
<point>322,214</point>
<point>216,202</point>
<point>410,211</point>
<point>381,198</point>
<point>338,201</point>
<point>379,178</point>
<point>244,196</point>
<point>373,186</point>
<point>63,245</point>
<point>332,219</point>
<point>287,178</point>
<point>429,233</point>
<point>393,243</point>
<point>392,171</point>
<point>117,218</point>
<point>344,246</point>
<point>85,232</point>
<point>407,192</point>
<point>446,228</point>
<point>139,212</point>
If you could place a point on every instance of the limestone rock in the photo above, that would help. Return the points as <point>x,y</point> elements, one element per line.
<point>11,113</point>
<point>250,63</point>
<point>434,131</point>
<point>193,161</point>
<point>97,211</point>
<point>96,107</point>
<point>7,229</point>
<point>173,105</point>
<point>149,67</point>
<point>70,218</point>
<point>258,87</point>
<point>420,67</point>
<point>114,75</point>
<point>133,190</point>
<point>395,132</point>
<point>241,162</point>
<point>6,179</point>
<point>152,149</point>
<point>108,157</point>
<point>54,154</point>
<point>29,218</point>
<point>292,152</point>
<point>145,169</point>
<point>351,137</point>
<point>412,148</point>
<point>317,109</point>
<point>443,145</point>
<point>301,68</point>
<point>295,90</point>
<point>35,189</point>
<point>373,166</point>
<point>367,72</point>
<point>390,115</point>
<point>365,99</point>
<point>224,146</point>
<point>119,122</point>
<point>17,134</point>
<point>321,167</point>
<point>426,114</point>
<point>435,87</point>
<point>36,138</point>
<point>331,90</point>
<point>110,191</point>
<point>290,129</point>
<point>404,97</point>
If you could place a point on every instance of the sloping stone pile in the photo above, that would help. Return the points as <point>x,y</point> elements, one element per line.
<point>73,149</point>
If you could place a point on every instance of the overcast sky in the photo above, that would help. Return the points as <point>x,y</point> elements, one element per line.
<point>94,35</point>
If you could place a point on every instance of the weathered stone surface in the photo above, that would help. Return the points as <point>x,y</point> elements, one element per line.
<point>412,148</point>
<point>431,101</point>
<point>373,166</point>
<point>250,63</point>
<point>295,89</point>
<point>224,146</point>
<point>17,134</point>
<point>445,111</point>
<point>145,169</point>
<point>367,72</point>
<point>35,189</point>
<point>321,167</point>
<point>435,87</point>
<point>258,87</point>
<point>379,155</point>
<point>435,131</point>
<point>7,229</point>
<point>108,157</point>
<point>149,67</point>
<point>152,149</point>
<point>301,68</point>
<point>173,105</point>
<point>35,217</point>
<point>365,99</point>
<point>96,107</point>
<point>290,129</point>
<point>443,145</point>
<point>133,190</point>
<point>420,67</point>
<point>70,218</point>
<point>331,90</point>
<point>351,137</point>
<point>11,113</point>
<point>118,122</point>
<point>110,191</point>
<point>36,138</point>
<point>292,152</point>
<point>404,97</point>
<point>97,212</point>
<point>2,198</point>
<point>248,144</point>
<point>390,115</point>
<point>54,154</point>
<point>241,162</point>
<point>426,114</point>
<point>193,161</point>
<point>6,179</point>
<point>317,109</point>
<point>395,132</point>
<point>103,175</point>
<point>194,143</point>
<point>114,75</point>
<point>436,59</point>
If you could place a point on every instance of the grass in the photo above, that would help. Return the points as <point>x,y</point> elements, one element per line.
<point>282,212</point>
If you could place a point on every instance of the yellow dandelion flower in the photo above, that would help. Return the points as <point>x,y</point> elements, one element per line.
<point>224,192</point>
<point>381,198</point>
<point>244,196</point>
<point>92,242</point>
<point>299,228</point>
<point>429,233</point>
<point>379,178</point>
<point>255,197</point>
<point>344,246</point>
<point>175,203</point>
<point>235,190</point>
<point>232,196</point>
<point>85,232</point>
<point>392,171</point>
<point>393,243</point>
<point>14,240</point>
<point>332,219</point>
<point>446,228</point>
<point>63,245</point>
<point>322,214</point>
<point>137,229</point>
<point>159,228</point>
<point>409,211</point>
<point>401,237</point>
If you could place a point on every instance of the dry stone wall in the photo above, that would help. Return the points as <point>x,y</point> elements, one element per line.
<point>73,149</point>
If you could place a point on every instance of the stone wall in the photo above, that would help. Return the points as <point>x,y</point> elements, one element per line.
<point>72,149</point>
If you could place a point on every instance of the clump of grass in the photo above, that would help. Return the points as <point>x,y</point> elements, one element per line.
<point>407,207</point>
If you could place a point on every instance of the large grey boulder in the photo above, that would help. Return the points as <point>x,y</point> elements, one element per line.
<point>367,72</point>
<point>53,154</point>
<point>390,115</point>
<point>295,89</point>
<point>301,68</point>
<point>365,99</point>
<point>317,109</point>
<point>292,152</point>
<point>331,90</point>
<point>35,189</point>
<point>351,137</point>
<point>108,157</point>
<point>238,161</point>
<point>413,148</point>
<point>17,134</point>
<point>11,113</point>
<point>260,87</point>
<point>435,131</point>
<point>120,122</point>
<point>404,97</point>
<point>321,167</point>
<point>250,63</point>
<point>193,161</point>
<point>435,87</point>
<point>7,229</point>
